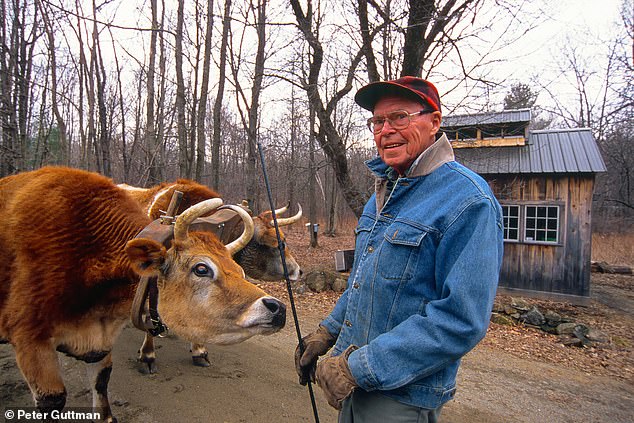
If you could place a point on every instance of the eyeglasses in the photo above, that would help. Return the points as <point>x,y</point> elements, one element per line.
<point>399,119</point>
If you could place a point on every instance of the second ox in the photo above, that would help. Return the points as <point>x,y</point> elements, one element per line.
<point>260,258</point>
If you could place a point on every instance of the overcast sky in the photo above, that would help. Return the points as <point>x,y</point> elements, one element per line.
<point>589,25</point>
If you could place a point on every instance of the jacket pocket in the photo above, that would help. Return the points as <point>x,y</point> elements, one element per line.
<point>362,232</point>
<point>399,251</point>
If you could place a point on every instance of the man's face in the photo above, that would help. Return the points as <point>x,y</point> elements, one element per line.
<point>399,148</point>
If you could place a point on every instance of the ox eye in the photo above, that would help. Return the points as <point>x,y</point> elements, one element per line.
<point>202,270</point>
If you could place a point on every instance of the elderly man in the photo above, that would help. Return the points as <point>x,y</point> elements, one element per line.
<point>427,258</point>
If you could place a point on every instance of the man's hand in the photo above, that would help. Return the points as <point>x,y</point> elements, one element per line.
<point>334,377</point>
<point>316,344</point>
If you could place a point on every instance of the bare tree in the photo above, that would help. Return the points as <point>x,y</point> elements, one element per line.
<point>250,121</point>
<point>431,32</point>
<point>102,140</point>
<point>21,30</point>
<point>204,89</point>
<point>215,153</point>
<point>615,188</point>
<point>329,138</point>
<point>61,123</point>
<point>183,155</point>
<point>152,144</point>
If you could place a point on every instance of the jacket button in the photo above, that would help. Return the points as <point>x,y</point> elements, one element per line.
<point>348,323</point>
<point>356,285</point>
<point>370,249</point>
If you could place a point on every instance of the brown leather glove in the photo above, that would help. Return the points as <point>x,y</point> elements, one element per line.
<point>316,344</point>
<point>334,377</point>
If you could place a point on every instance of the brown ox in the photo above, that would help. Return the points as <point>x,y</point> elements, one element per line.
<point>260,259</point>
<point>70,265</point>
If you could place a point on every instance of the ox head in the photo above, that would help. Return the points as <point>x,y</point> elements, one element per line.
<point>261,257</point>
<point>204,295</point>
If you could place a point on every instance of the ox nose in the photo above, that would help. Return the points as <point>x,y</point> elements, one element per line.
<point>277,309</point>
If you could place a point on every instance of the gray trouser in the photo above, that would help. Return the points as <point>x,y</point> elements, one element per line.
<point>373,407</point>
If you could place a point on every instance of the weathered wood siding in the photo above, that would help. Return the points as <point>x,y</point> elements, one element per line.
<point>562,268</point>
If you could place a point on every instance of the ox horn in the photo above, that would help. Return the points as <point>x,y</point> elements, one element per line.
<point>247,234</point>
<point>289,220</point>
<point>282,209</point>
<point>188,216</point>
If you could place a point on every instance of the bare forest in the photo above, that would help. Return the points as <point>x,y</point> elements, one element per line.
<point>150,91</point>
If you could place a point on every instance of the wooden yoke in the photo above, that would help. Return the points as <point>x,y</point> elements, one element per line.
<point>222,223</point>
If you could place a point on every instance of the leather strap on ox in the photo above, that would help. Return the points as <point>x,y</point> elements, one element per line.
<point>160,230</point>
<point>144,313</point>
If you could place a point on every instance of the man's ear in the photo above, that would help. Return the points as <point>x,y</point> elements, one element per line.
<point>146,256</point>
<point>436,120</point>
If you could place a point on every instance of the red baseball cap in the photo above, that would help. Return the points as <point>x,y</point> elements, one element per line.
<point>410,87</point>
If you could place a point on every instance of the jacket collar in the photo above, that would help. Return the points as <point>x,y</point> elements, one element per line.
<point>439,153</point>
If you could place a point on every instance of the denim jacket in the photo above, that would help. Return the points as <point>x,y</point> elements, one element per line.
<point>427,258</point>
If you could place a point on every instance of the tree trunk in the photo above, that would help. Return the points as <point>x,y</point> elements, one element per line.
<point>252,131</point>
<point>151,143</point>
<point>420,12</point>
<point>125,153</point>
<point>215,153</point>
<point>26,43</point>
<point>91,136</point>
<point>312,200</point>
<point>61,124</point>
<point>290,175</point>
<point>103,139</point>
<point>204,88</point>
<point>83,75</point>
<point>366,37</point>
<point>183,155</point>
<point>10,47</point>
<point>332,210</point>
<point>328,137</point>
<point>163,119</point>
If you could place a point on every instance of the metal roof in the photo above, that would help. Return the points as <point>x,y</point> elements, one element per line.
<point>506,116</point>
<point>547,151</point>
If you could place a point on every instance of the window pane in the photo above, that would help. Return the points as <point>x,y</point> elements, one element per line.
<point>511,222</point>
<point>542,224</point>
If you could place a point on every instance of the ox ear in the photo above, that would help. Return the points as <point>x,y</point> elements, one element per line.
<point>146,255</point>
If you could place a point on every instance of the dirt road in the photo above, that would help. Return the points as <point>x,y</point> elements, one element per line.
<point>255,382</point>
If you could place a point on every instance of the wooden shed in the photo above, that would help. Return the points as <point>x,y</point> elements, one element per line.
<point>544,181</point>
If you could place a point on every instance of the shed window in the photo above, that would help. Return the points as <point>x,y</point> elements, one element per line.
<point>542,224</point>
<point>532,224</point>
<point>511,223</point>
